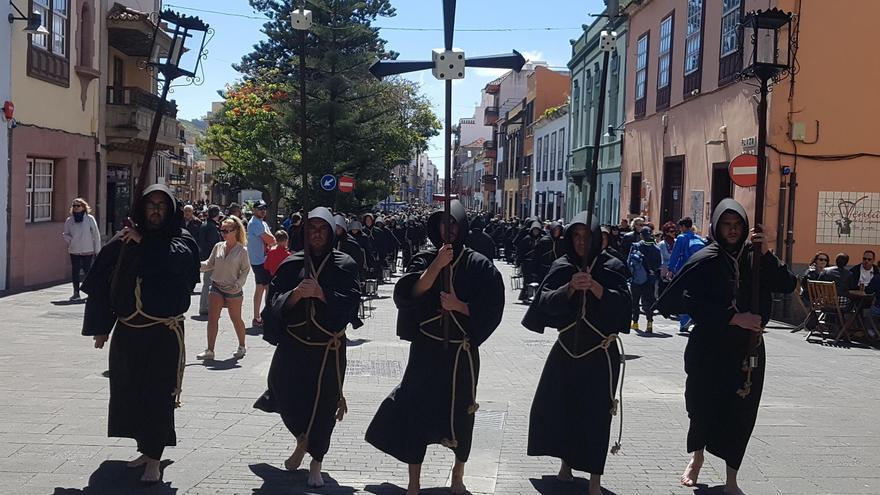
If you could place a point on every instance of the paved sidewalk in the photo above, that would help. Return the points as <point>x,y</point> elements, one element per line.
<point>818,430</point>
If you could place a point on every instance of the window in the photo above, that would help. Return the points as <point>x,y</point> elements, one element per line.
<point>635,193</point>
<point>48,58</point>
<point>641,74</point>
<point>665,50</point>
<point>538,160</point>
<point>59,27</point>
<point>546,157</point>
<point>576,110</point>
<point>588,87</point>
<point>562,161</point>
<point>731,33</point>
<point>730,27</point>
<point>553,156</point>
<point>694,37</point>
<point>40,181</point>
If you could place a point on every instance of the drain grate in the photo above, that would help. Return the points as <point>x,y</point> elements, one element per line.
<point>490,420</point>
<point>381,369</point>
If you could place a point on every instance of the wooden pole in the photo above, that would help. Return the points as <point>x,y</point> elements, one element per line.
<point>447,170</point>
<point>302,151</point>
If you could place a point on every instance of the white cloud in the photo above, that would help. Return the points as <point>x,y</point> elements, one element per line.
<point>533,56</point>
<point>530,56</point>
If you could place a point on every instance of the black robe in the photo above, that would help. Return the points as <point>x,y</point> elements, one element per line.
<point>146,356</point>
<point>348,245</point>
<point>706,288</point>
<point>417,413</point>
<point>480,242</point>
<point>296,380</point>
<point>571,413</point>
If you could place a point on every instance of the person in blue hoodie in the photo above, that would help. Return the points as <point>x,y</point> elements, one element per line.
<point>686,244</point>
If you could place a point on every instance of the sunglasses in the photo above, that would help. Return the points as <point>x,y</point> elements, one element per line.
<point>227,231</point>
<point>77,206</point>
<point>867,259</point>
<point>822,259</point>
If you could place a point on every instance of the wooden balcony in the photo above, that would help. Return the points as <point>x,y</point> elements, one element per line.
<point>490,117</point>
<point>129,116</point>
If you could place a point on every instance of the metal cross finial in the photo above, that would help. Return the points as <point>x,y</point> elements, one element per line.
<point>448,64</point>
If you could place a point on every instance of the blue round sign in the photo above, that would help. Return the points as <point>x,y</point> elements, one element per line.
<point>328,182</point>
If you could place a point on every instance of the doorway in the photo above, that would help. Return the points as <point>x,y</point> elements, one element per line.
<point>672,200</point>
<point>722,186</point>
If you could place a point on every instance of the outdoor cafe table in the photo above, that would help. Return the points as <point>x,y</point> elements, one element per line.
<point>853,319</point>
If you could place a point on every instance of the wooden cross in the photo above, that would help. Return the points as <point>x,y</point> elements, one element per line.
<point>448,64</point>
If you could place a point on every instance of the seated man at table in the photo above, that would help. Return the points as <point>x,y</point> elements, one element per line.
<point>864,272</point>
<point>841,277</point>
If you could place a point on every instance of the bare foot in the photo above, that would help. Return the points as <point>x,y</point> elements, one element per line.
<point>457,484</point>
<point>295,460</point>
<point>692,472</point>
<point>565,475</point>
<point>595,484</point>
<point>152,473</point>
<point>315,478</point>
<point>140,461</point>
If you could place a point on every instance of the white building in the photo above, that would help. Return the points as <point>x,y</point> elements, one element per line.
<point>551,164</point>
<point>5,165</point>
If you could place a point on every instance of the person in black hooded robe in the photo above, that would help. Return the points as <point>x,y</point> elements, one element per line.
<point>575,400</point>
<point>306,318</point>
<point>435,402</point>
<point>144,304</point>
<point>528,257</point>
<point>715,287</point>
<point>480,241</point>
<point>549,249</point>
<point>346,243</point>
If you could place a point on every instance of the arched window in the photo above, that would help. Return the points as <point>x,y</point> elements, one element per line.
<point>85,41</point>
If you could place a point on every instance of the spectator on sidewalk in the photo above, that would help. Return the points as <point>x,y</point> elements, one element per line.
<point>209,236</point>
<point>864,272</point>
<point>83,241</point>
<point>813,272</point>
<point>234,210</point>
<point>842,278</point>
<point>686,244</point>
<point>644,264</point>
<point>190,222</point>
<point>259,239</point>
<point>666,244</point>
<point>631,237</point>
<point>229,265</point>
<point>277,254</point>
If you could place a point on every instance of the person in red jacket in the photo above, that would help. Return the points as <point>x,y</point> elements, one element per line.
<point>278,253</point>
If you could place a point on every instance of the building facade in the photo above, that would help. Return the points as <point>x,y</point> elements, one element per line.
<point>54,147</point>
<point>5,130</point>
<point>586,77</point>
<point>551,164</point>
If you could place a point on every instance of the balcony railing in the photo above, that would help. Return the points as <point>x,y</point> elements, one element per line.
<point>493,88</point>
<point>490,145</point>
<point>490,115</point>
<point>128,95</point>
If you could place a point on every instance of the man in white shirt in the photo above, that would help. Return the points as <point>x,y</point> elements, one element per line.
<point>259,239</point>
<point>863,273</point>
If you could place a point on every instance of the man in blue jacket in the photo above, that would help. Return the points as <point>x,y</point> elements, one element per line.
<point>686,244</point>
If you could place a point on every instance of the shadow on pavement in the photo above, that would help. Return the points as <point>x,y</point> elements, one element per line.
<point>253,331</point>
<point>631,357</point>
<point>357,342</point>
<point>226,364</point>
<point>702,489</point>
<point>278,481</point>
<point>112,477</point>
<point>67,302</point>
<point>653,335</point>
<point>199,317</point>
<point>392,489</point>
<point>549,485</point>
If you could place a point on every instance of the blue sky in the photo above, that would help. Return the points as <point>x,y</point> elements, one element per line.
<point>235,36</point>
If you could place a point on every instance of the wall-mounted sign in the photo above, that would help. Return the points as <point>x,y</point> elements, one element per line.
<point>846,217</point>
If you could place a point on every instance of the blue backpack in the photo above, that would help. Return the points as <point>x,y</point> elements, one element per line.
<point>635,262</point>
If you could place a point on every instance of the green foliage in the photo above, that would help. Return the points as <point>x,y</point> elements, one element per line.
<point>356,125</point>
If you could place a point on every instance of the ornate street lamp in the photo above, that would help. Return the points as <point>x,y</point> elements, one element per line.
<point>34,21</point>
<point>766,64</point>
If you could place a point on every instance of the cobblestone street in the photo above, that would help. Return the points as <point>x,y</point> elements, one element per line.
<point>818,430</point>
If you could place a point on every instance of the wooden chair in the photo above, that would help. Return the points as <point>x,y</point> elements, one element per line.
<point>824,303</point>
<point>799,290</point>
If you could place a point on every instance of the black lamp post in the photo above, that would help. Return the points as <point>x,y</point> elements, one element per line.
<point>170,37</point>
<point>34,21</point>
<point>767,65</point>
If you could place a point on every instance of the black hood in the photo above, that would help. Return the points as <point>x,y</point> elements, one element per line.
<point>557,227</point>
<point>536,225</point>
<point>324,214</point>
<point>595,238</point>
<point>459,216</point>
<point>372,220</point>
<point>171,227</point>
<point>733,206</point>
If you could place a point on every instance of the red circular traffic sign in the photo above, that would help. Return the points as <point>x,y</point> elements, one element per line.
<point>346,184</point>
<point>743,170</point>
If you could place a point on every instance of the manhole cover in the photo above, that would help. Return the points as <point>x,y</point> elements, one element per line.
<point>382,369</point>
<point>493,420</point>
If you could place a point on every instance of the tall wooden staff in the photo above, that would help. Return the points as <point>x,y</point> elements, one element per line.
<point>302,21</point>
<point>447,65</point>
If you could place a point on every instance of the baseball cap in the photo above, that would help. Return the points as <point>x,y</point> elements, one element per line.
<point>261,205</point>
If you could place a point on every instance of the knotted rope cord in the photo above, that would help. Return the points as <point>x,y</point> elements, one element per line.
<point>606,342</point>
<point>174,323</point>
<point>334,344</point>
<point>746,366</point>
<point>464,345</point>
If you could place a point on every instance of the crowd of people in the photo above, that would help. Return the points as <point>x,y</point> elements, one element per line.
<point>589,282</point>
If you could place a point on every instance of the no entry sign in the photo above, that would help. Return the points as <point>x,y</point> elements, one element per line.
<point>743,170</point>
<point>346,184</point>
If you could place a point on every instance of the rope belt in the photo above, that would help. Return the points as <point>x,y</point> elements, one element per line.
<point>464,346</point>
<point>174,323</point>
<point>333,345</point>
<point>606,342</point>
